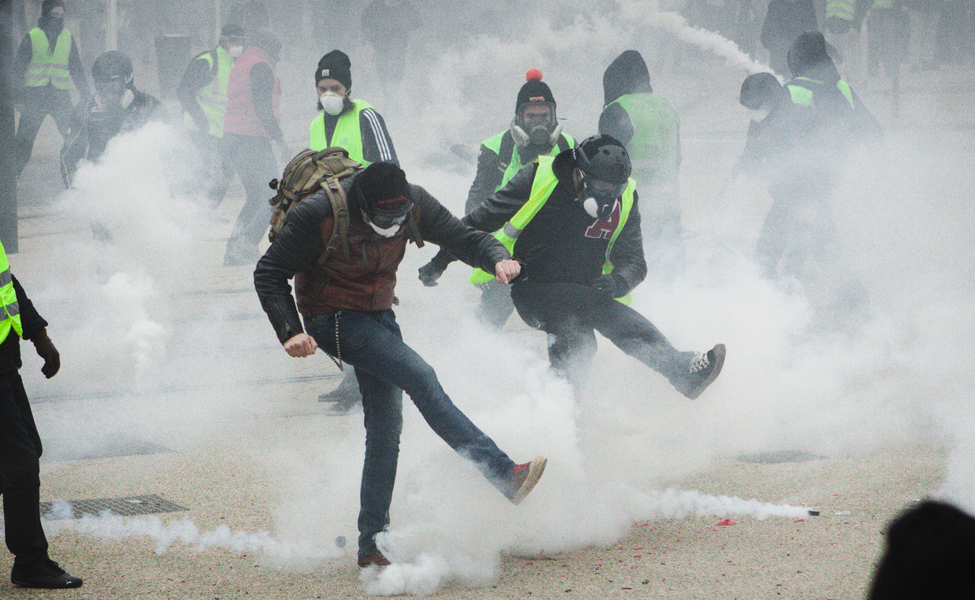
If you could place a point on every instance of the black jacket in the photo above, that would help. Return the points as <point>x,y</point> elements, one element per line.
<point>300,244</point>
<point>33,323</point>
<point>561,243</point>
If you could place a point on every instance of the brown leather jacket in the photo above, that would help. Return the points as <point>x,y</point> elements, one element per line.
<point>364,281</point>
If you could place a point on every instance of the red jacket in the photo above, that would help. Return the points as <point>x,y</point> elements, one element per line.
<point>240,117</point>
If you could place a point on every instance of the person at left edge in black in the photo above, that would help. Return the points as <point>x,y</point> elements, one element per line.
<point>20,444</point>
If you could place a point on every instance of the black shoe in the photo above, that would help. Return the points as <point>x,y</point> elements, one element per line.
<point>44,573</point>
<point>702,371</point>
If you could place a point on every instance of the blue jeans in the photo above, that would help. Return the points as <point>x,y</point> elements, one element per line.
<point>386,367</point>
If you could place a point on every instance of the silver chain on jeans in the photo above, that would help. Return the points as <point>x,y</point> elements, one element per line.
<point>337,359</point>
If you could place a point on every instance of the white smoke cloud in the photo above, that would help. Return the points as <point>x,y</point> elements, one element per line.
<point>616,451</point>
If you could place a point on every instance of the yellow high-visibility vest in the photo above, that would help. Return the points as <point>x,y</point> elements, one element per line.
<point>47,66</point>
<point>8,297</point>
<point>542,187</point>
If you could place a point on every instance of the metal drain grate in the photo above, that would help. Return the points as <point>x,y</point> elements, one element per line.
<point>783,456</point>
<point>128,506</point>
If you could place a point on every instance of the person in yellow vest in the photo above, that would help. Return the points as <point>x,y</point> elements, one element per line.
<point>202,92</point>
<point>649,127</point>
<point>535,131</point>
<point>573,223</point>
<point>47,63</point>
<point>352,124</point>
<point>356,126</point>
<point>20,444</point>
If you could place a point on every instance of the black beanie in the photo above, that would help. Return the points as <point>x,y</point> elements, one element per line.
<point>384,190</point>
<point>47,5</point>
<point>335,65</point>
<point>533,92</point>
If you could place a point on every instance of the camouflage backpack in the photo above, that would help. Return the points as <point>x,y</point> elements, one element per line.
<point>308,172</point>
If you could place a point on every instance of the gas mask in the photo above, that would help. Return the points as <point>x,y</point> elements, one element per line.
<point>598,198</point>
<point>332,103</point>
<point>536,130</point>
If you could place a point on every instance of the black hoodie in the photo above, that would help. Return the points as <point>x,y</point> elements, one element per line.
<point>628,74</point>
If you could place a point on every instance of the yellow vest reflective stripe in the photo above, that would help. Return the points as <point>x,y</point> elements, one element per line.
<point>542,187</point>
<point>843,9</point>
<point>803,96</point>
<point>8,297</point>
<point>515,163</point>
<point>213,96</point>
<point>46,66</point>
<point>347,132</point>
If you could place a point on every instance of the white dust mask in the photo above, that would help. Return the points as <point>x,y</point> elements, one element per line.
<point>332,103</point>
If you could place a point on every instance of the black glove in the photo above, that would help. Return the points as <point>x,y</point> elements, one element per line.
<point>606,284</point>
<point>46,350</point>
<point>431,272</point>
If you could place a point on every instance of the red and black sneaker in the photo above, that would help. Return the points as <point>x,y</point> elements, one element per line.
<point>524,477</point>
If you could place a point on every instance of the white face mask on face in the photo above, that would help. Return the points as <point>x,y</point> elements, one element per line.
<point>235,51</point>
<point>332,103</point>
<point>758,115</point>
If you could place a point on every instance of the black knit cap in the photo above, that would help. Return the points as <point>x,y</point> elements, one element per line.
<point>384,190</point>
<point>535,91</point>
<point>335,65</point>
<point>47,5</point>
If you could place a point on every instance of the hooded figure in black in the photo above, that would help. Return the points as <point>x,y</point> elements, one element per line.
<point>649,128</point>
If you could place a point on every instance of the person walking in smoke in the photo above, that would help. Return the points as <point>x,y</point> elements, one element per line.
<point>649,128</point>
<point>20,444</point>
<point>812,124</point>
<point>47,63</point>
<point>573,221</point>
<point>249,126</point>
<point>356,126</point>
<point>117,106</point>
<point>346,301</point>
<point>202,93</point>
<point>534,131</point>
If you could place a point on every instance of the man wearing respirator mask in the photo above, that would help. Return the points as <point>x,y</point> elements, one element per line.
<point>573,222</point>
<point>534,131</point>
<point>352,124</point>
<point>356,126</point>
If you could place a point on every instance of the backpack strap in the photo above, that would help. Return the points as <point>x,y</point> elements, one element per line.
<point>340,219</point>
<point>413,230</point>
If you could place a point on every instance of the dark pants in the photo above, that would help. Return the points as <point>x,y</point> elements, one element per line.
<point>571,314</point>
<point>495,306</point>
<point>386,367</point>
<point>253,158</point>
<point>20,449</point>
<point>38,103</point>
<point>218,167</point>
